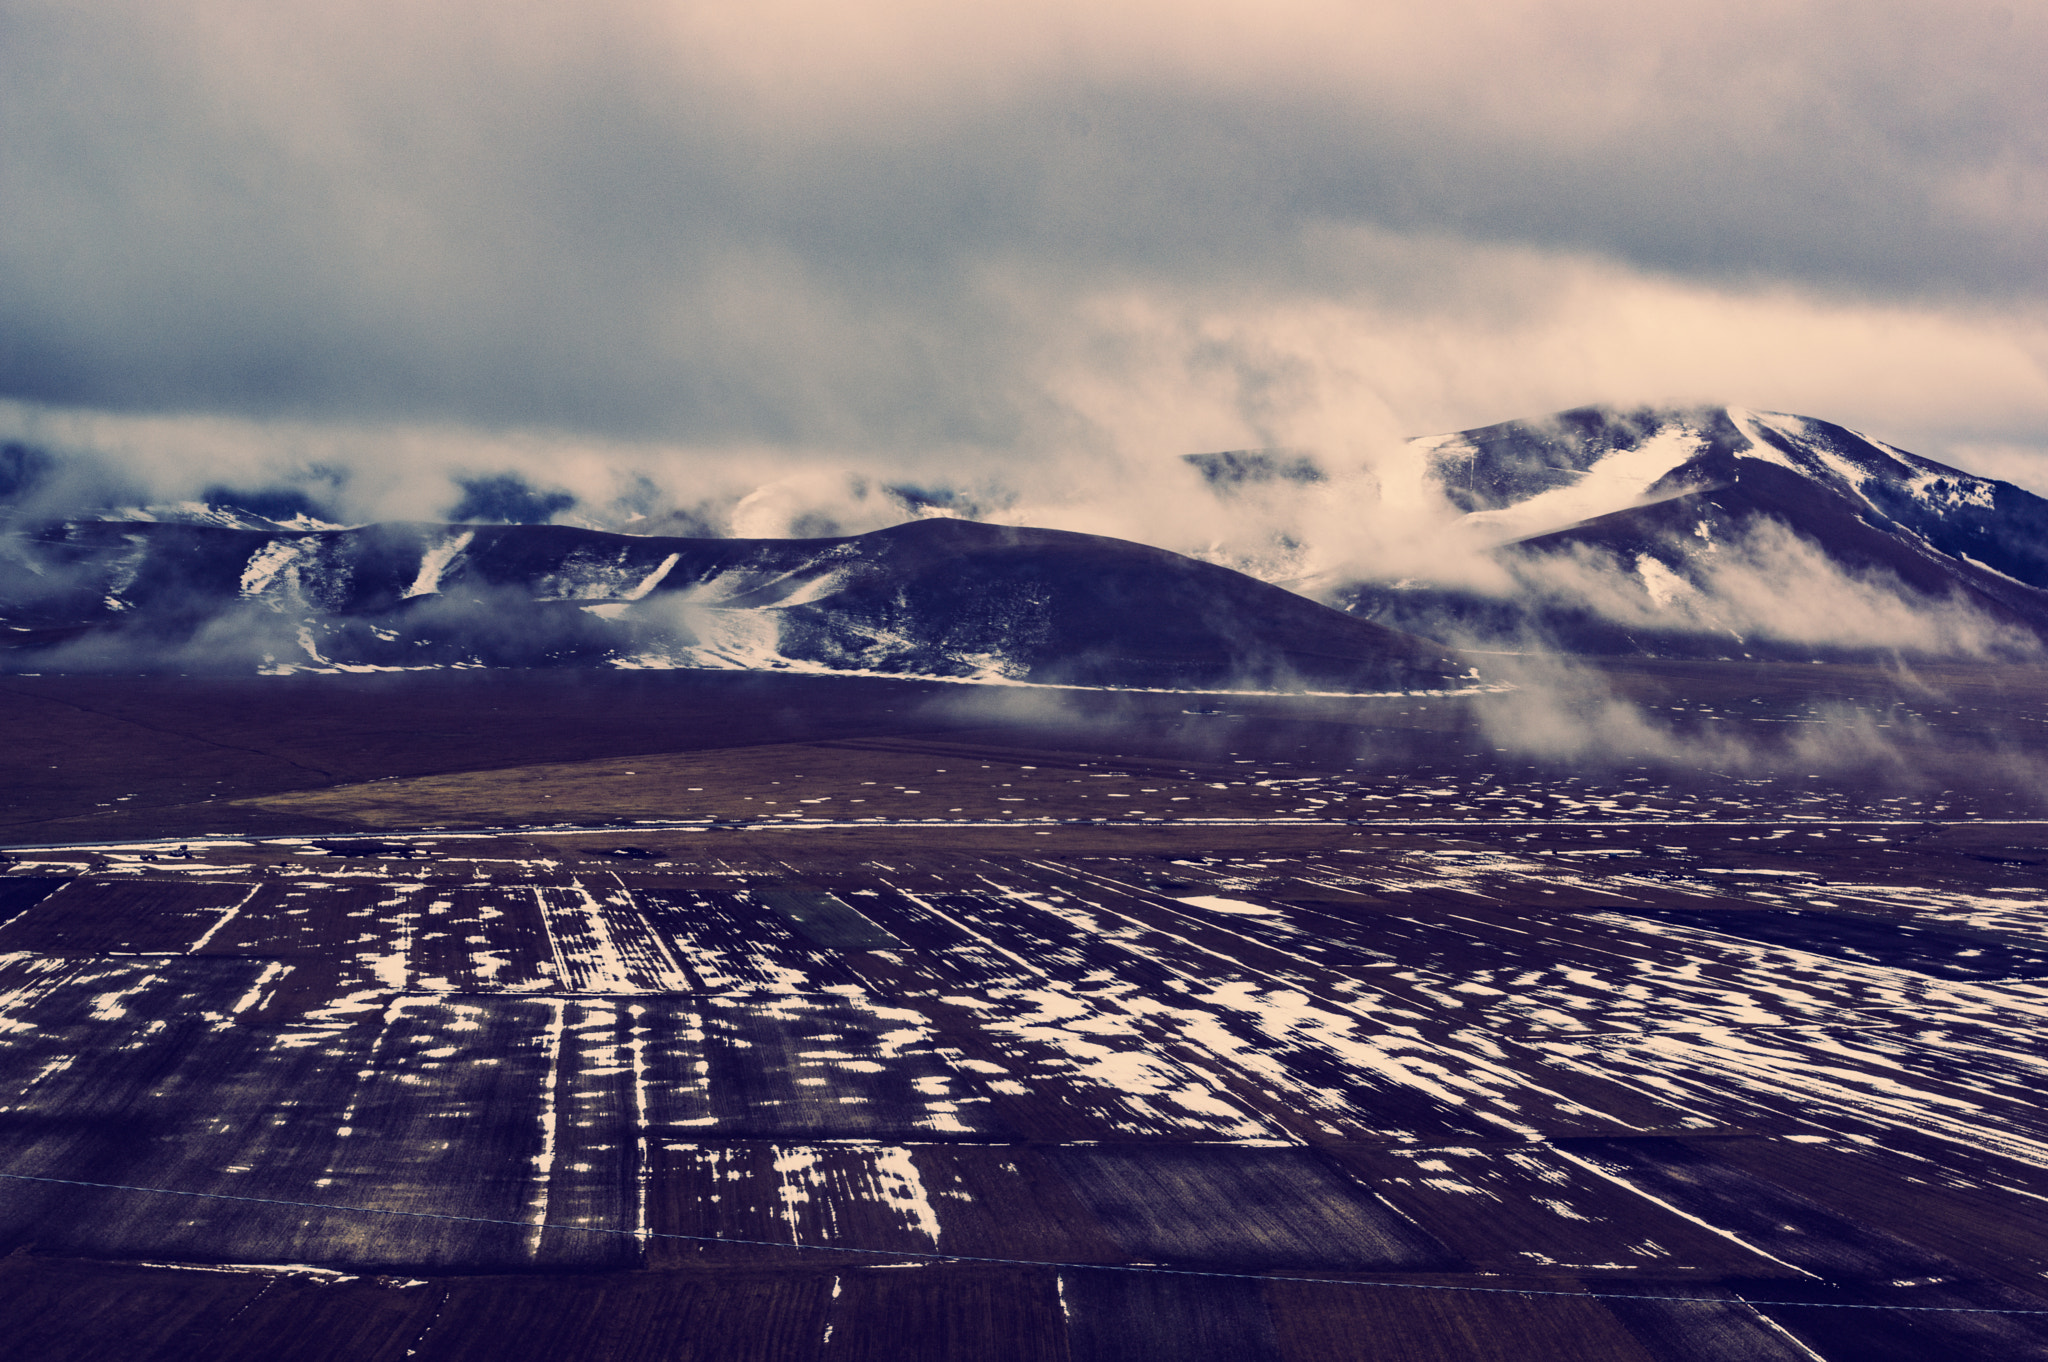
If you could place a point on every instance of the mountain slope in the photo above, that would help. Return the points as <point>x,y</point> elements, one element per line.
<point>1723,532</point>
<point>933,597</point>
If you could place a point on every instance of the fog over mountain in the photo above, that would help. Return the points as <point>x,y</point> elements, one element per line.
<point>1248,678</point>
<point>1717,532</point>
<point>795,272</point>
<point>221,589</point>
<point>1709,532</point>
<point>1041,246</point>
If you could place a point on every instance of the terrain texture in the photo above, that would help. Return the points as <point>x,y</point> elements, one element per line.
<point>683,1016</point>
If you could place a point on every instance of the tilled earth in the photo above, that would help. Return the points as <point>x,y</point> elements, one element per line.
<point>1066,1042</point>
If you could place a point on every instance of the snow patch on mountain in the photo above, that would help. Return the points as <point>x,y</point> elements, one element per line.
<point>1662,584</point>
<point>1773,531</point>
<point>653,579</point>
<point>1617,481</point>
<point>1761,447</point>
<point>267,563</point>
<point>221,516</point>
<point>434,562</point>
<point>1947,491</point>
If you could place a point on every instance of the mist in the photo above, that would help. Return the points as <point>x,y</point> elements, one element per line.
<point>1762,592</point>
<point>674,269</point>
<point>414,244</point>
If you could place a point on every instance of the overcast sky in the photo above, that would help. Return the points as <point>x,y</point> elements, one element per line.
<point>935,236</point>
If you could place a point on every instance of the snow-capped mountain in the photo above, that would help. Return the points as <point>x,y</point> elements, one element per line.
<point>1716,532</point>
<point>1713,532</point>
<point>944,598</point>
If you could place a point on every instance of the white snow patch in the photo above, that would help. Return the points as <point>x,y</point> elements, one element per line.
<point>1222,905</point>
<point>652,579</point>
<point>1957,490</point>
<point>435,561</point>
<point>1986,567</point>
<point>904,1190</point>
<point>1753,423</point>
<point>1620,480</point>
<point>268,562</point>
<point>1664,585</point>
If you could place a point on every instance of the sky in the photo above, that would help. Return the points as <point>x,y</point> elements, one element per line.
<point>691,250</point>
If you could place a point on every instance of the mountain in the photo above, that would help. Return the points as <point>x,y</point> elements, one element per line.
<point>1709,532</point>
<point>1716,532</point>
<point>936,597</point>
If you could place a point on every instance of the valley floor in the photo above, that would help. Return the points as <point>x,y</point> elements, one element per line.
<point>891,1028</point>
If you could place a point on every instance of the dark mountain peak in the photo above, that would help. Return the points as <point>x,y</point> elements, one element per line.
<point>507,498</point>
<point>1729,531</point>
<point>1233,469</point>
<point>1847,461</point>
<point>936,597</point>
<point>1503,465</point>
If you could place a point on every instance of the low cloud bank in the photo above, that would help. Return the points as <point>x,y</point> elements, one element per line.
<point>1892,728</point>
<point>1370,528</point>
<point>1765,592</point>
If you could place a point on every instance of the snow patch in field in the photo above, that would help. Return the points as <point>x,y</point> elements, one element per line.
<point>903,1189</point>
<point>1223,905</point>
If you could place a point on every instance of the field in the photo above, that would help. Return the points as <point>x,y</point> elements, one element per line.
<point>488,1016</point>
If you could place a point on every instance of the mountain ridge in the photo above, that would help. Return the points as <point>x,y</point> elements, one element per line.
<point>935,597</point>
<point>1685,532</point>
<point>1672,557</point>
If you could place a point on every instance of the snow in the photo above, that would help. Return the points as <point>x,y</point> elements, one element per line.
<point>435,561</point>
<point>326,1276</point>
<point>797,586</point>
<point>1221,905</point>
<point>735,638</point>
<point>1939,489</point>
<point>1986,567</point>
<point>1664,585</point>
<point>816,589</point>
<point>652,579</point>
<point>904,1189</point>
<point>549,1117</point>
<point>1954,491</point>
<point>602,946</point>
<point>1620,480</point>
<point>268,562</point>
<point>612,579</point>
<point>227,915</point>
<point>1852,475</point>
<point>1753,423</point>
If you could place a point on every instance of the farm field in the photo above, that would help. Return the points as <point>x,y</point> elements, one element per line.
<point>1290,1029</point>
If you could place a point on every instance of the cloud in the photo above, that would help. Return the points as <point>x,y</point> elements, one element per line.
<point>1560,711</point>
<point>909,236</point>
<point>1123,384</point>
<point>1769,585</point>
